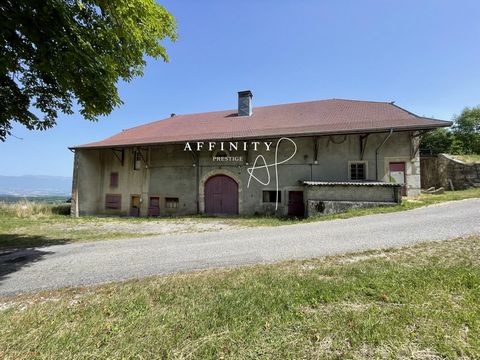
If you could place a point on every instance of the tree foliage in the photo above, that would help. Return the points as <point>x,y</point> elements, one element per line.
<point>437,141</point>
<point>467,130</point>
<point>55,54</point>
<point>463,138</point>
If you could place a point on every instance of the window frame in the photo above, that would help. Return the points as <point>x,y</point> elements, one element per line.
<point>365,169</point>
<point>172,200</point>
<point>274,197</point>
<point>137,157</point>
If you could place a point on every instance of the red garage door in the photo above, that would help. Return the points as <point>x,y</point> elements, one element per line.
<point>221,195</point>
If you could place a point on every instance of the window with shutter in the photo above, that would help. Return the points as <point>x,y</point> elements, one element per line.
<point>113,201</point>
<point>114,179</point>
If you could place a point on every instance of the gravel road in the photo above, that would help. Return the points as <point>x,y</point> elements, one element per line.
<point>90,263</point>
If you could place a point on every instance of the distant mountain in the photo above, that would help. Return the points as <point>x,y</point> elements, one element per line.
<point>35,185</point>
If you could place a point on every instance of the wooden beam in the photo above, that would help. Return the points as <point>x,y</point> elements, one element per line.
<point>120,157</point>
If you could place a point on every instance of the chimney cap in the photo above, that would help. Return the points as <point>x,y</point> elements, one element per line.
<point>245,93</point>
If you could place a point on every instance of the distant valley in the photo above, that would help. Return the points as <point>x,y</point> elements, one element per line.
<point>35,185</point>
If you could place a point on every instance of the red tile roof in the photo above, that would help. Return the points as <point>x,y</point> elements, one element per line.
<point>297,119</point>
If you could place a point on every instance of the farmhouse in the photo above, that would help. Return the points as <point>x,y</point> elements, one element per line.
<point>292,159</point>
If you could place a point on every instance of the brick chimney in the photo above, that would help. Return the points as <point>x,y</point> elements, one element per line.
<point>245,103</point>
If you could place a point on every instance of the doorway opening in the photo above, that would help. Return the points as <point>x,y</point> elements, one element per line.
<point>135,205</point>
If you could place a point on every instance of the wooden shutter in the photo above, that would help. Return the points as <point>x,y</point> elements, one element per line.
<point>114,179</point>
<point>113,201</point>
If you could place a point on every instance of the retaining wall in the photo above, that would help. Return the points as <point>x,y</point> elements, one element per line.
<point>445,171</point>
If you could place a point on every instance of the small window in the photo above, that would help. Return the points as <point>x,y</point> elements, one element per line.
<point>358,171</point>
<point>171,203</point>
<point>220,154</point>
<point>114,179</point>
<point>137,160</point>
<point>270,196</point>
<point>113,201</point>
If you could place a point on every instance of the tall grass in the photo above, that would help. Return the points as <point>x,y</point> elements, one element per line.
<point>26,208</point>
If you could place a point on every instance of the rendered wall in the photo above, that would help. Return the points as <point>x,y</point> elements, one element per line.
<point>169,171</point>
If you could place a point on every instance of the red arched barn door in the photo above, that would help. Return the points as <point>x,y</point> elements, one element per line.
<point>221,195</point>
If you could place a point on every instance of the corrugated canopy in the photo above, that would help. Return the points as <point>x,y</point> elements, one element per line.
<point>350,183</point>
<point>297,119</point>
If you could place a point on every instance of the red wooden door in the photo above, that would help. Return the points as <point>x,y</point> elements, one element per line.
<point>154,206</point>
<point>221,195</point>
<point>398,175</point>
<point>296,206</point>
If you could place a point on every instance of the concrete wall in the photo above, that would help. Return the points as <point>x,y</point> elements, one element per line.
<point>93,181</point>
<point>169,171</point>
<point>86,195</point>
<point>349,192</point>
<point>326,207</point>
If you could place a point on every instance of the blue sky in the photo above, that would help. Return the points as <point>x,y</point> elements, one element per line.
<point>424,55</point>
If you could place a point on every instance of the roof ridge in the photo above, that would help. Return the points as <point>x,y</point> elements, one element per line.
<point>364,101</point>
<point>257,107</point>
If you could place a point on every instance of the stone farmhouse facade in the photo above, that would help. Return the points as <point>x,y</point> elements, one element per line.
<point>293,159</point>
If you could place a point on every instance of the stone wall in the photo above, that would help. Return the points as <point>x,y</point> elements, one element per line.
<point>449,173</point>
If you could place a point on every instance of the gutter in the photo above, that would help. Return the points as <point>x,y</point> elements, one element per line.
<point>377,151</point>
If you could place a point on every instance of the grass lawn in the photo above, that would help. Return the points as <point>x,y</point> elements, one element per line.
<point>475,158</point>
<point>419,302</point>
<point>34,224</point>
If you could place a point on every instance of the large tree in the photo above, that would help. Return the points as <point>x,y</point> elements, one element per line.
<point>55,54</point>
<point>467,130</point>
<point>437,141</point>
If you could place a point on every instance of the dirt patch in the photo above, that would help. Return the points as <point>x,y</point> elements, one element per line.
<point>160,227</point>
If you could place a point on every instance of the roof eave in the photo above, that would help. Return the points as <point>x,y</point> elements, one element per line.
<point>441,123</point>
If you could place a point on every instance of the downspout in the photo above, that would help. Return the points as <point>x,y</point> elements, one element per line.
<point>196,164</point>
<point>198,185</point>
<point>378,150</point>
